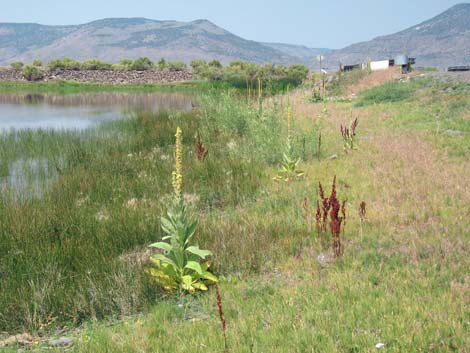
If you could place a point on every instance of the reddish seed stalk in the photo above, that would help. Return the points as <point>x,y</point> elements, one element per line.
<point>319,146</point>
<point>221,316</point>
<point>362,211</point>
<point>306,208</point>
<point>362,214</point>
<point>330,206</point>
<point>321,216</point>
<point>201,149</point>
<point>335,221</point>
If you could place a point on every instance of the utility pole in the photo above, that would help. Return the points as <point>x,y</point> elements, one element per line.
<point>320,58</point>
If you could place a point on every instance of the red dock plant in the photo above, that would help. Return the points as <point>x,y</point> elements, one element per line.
<point>306,207</point>
<point>330,206</point>
<point>221,316</point>
<point>349,135</point>
<point>201,149</point>
<point>362,214</point>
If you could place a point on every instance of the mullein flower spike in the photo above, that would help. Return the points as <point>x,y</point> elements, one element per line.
<point>177,175</point>
<point>289,122</point>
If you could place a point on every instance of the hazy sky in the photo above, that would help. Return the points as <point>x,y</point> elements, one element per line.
<point>328,23</point>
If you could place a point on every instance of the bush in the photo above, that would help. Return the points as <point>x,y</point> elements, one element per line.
<point>142,64</point>
<point>161,65</point>
<point>176,66</point>
<point>297,73</point>
<point>64,64</point>
<point>95,64</point>
<point>32,73</point>
<point>37,63</point>
<point>17,65</point>
<point>198,66</point>
<point>215,63</point>
<point>126,63</point>
<point>119,67</point>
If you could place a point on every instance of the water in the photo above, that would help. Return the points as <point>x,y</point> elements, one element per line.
<point>26,178</point>
<point>80,111</point>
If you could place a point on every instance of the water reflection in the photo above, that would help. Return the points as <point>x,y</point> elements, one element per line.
<point>28,178</point>
<point>79,111</point>
<point>23,177</point>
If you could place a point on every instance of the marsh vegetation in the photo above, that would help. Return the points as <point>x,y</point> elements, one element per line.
<point>79,250</point>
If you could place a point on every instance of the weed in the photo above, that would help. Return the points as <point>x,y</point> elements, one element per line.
<point>336,220</point>
<point>330,206</point>
<point>221,316</point>
<point>290,162</point>
<point>362,215</point>
<point>179,268</point>
<point>201,149</point>
<point>349,135</point>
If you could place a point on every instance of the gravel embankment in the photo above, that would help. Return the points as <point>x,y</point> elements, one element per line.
<point>105,77</point>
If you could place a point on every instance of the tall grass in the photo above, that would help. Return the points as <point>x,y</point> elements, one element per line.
<point>78,250</point>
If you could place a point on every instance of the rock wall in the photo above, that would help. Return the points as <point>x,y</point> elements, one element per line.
<point>105,77</point>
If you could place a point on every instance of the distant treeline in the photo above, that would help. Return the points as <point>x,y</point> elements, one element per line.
<point>240,74</point>
<point>140,64</point>
<point>250,75</point>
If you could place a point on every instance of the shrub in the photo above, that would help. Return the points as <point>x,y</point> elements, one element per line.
<point>63,64</point>
<point>215,63</point>
<point>297,73</point>
<point>126,62</point>
<point>95,64</point>
<point>17,65</point>
<point>142,64</point>
<point>198,67</point>
<point>37,63</point>
<point>119,67</point>
<point>161,65</point>
<point>176,66</point>
<point>32,73</point>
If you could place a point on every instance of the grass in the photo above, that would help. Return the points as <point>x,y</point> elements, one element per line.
<point>78,252</point>
<point>70,87</point>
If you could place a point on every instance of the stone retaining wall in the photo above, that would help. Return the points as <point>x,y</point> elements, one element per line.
<point>105,77</point>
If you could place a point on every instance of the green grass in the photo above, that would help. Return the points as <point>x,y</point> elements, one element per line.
<point>78,252</point>
<point>70,87</point>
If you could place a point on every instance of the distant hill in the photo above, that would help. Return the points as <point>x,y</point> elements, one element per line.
<point>441,41</point>
<point>308,55</point>
<point>116,38</point>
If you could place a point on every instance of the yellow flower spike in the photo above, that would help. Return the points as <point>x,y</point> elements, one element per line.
<point>289,121</point>
<point>177,175</point>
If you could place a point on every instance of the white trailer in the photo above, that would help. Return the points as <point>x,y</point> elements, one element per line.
<point>379,65</point>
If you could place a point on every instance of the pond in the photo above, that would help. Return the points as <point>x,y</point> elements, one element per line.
<point>25,171</point>
<point>80,111</point>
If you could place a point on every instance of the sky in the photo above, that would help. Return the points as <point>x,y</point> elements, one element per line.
<point>321,24</point>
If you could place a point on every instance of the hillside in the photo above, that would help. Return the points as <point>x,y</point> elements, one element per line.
<point>116,38</point>
<point>306,54</point>
<point>441,41</point>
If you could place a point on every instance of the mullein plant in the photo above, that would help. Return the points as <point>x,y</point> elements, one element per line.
<point>290,162</point>
<point>182,266</point>
<point>260,97</point>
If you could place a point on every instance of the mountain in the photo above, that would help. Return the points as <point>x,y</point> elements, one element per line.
<point>116,38</point>
<point>441,41</point>
<point>307,54</point>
